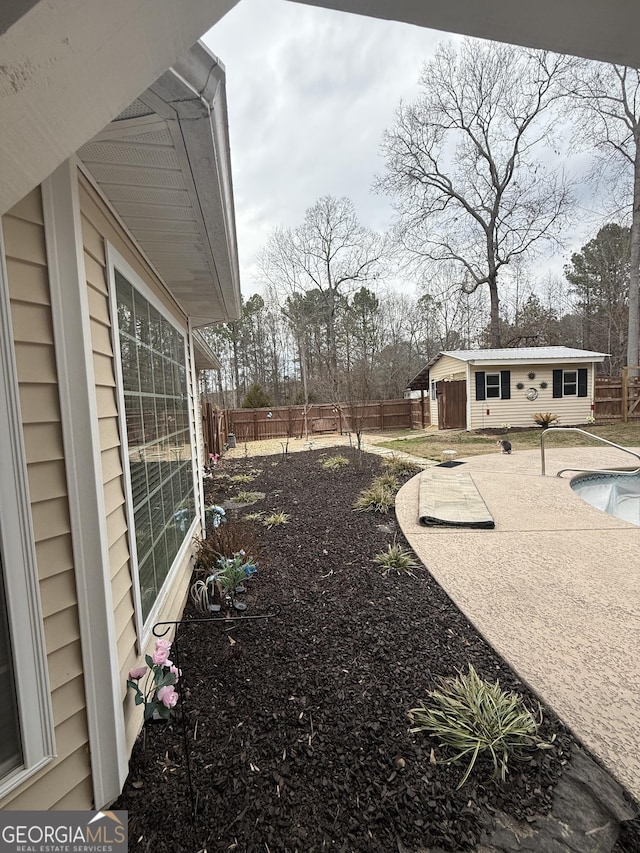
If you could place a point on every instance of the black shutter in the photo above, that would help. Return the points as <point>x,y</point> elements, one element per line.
<point>505,384</point>
<point>480,392</point>
<point>582,382</point>
<point>557,383</point>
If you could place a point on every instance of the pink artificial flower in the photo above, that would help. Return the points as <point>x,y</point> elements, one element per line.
<point>168,696</point>
<point>138,672</point>
<point>174,670</point>
<point>161,654</point>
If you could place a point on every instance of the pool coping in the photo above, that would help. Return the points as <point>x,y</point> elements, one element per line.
<point>554,588</point>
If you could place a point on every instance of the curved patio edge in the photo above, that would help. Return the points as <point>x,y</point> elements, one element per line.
<point>554,589</point>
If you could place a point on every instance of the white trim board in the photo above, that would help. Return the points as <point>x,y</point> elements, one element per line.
<point>76,383</point>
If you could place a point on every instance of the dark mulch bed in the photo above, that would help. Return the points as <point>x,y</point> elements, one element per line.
<point>298,731</point>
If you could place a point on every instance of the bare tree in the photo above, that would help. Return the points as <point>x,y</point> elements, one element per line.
<point>608,100</point>
<point>331,253</point>
<point>462,161</point>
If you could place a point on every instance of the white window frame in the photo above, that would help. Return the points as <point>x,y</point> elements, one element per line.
<point>486,386</point>
<point>26,625</point>
<point>574,382</point>
<point>115,261</point>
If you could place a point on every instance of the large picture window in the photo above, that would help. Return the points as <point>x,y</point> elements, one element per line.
<point>154,380</point>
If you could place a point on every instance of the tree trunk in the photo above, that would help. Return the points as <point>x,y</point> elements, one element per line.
<point>634,272</point>
<point>496,341</point>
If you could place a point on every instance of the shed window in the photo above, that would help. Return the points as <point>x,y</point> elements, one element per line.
<point>570,383</point>
<point>493,386</point>
<point>154,382</point>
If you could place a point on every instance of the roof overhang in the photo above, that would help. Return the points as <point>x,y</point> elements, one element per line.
<point>421,380</point>
<point>164,166</point>
<point>68,68</point>
<point>204,357</point>
<point>595,29</point>
<point>494,362</point>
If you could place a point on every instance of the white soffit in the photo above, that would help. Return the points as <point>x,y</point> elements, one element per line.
<point>164,166</point>
<point>205,358</point>
<point>597,29</point>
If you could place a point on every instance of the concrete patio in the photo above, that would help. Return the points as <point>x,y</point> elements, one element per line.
<point>554,588</point>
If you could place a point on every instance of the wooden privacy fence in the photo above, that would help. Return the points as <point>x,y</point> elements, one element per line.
<point>294,421</point>
<point>618,399</point>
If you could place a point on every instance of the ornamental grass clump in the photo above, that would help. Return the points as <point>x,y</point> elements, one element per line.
<point>398,465</point>
<point>224,539</point>
<point>389,481</point>
<point>475,717</point>
<point>246,497</point>
<point>395,559</point>
<point>333,463</point>
<point>275,519</point>
<point>377,498</point>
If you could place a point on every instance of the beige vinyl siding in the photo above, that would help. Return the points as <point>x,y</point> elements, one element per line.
<point>445,368</point>
<point>518,410</point>
<point>68,777</point>
<point>98,226</point>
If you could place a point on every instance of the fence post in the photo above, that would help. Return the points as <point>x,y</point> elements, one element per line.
<point>381,404</point>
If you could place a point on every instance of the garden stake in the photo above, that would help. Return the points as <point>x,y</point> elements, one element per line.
<point>161,629</point>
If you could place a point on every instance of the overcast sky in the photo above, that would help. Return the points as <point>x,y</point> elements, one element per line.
<point>310,92</point>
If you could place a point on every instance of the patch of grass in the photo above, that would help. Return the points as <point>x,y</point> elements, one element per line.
<point>431,444</point>
<point>395,559</point>
<point>376,498</point>
<point>398,465</point>
<point>475,718</point>
<point>333,463</point>
<point>246,497</point>
<point>275,519</point>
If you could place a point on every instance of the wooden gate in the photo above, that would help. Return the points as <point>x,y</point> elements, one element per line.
<point>452,404</point>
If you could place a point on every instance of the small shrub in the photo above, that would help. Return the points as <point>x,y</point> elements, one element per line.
<point>275,519</point>
<point>398,465</point>
<point>395,559</point>
<point>475,717</point>
<point>246,497</point>
<point>377,498</point>
<point>545,419</point>
<point>333,463</point>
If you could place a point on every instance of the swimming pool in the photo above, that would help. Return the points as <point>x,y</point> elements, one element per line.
<point>617,494</point>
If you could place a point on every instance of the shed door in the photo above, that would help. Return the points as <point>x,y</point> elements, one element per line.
<point>452,404</point>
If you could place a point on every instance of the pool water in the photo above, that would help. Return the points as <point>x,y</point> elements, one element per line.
<point>616,494</point>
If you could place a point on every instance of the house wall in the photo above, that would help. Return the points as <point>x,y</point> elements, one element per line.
<point>99,225</point>
<point>518,410</point>
<point>65,783</point>
<point>445,368</point>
